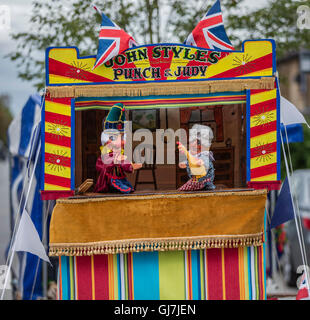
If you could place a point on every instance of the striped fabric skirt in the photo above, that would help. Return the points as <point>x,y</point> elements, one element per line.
<point>210,274</point>
<point>193,185</point>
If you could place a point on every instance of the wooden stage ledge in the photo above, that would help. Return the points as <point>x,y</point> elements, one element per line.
<point>156,192</point>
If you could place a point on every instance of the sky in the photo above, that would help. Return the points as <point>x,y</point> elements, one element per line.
<point>20,12</point>
<point>18,90</point>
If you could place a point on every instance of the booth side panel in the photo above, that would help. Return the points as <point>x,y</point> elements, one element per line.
<point>278,132</point>
<point>262,139</point>
<point>58,148</point>
<point>72,102</point>
<point>42,146</point>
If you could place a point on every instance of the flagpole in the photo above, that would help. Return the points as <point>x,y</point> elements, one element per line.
<point>297,206</point>
<point>295,215</point>
<point>96,8</point>
<point>11,208</point>
<point>13,240</point>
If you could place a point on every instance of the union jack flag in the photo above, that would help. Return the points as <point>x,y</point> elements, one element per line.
<point>304,290</point>
<point>210,32</point>
<point>112,41</point>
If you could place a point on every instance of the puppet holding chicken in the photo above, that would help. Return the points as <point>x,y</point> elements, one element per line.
<point>199,163</point>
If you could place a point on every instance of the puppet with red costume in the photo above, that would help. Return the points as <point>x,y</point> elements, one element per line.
<point>112,163</point>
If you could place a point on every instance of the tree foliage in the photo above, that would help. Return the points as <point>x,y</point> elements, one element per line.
<point>75,23</point>
<point>277,20</point>
<point>5,117</point>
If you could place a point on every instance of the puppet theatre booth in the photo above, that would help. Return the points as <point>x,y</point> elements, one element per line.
<point>159,242</point>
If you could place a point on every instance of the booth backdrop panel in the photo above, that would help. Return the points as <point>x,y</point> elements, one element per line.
<point>162,70</point>
<point>209,274</point>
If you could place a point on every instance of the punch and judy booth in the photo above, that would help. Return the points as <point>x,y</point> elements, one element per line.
<point>162,243</point>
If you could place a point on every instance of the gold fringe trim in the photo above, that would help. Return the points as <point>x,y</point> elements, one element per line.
<point>72,200</point>
<point>133,89</point>
<point>142,245</point>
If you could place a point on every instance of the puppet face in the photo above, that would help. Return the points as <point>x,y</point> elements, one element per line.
<point>194,146</point>
<point>200,138</point>
<point>116,142</point>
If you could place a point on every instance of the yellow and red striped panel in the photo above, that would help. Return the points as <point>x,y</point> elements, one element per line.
<point>164,62</point>
<point>263,144</point>
<point>57,144</point>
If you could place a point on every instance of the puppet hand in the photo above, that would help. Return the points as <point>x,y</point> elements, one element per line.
<point>120,158</point>
<point>181,148</point>
<point>182,165</point>
<point>136,166</point>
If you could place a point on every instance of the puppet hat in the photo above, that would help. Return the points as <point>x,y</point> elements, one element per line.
<point>115,118</point>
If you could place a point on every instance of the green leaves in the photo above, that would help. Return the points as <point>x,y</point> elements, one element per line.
<point>76,23</point>
<point>5,117</point>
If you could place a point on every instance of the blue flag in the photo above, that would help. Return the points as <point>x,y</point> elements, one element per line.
<point>20,133</point>
<point>284,208</point>
<point>294,132</point>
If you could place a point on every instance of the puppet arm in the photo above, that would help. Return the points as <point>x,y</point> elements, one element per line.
<point>126,165</point>
<point>182,165</point>
<point>190,158</point>
<point>102,164</point>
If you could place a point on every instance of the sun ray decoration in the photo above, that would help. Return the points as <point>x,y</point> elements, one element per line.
<point>56,161</point>
<point>244,64</point>
<point>78,70</point>
<point>58,128</point>
<point>262,152</point>
<point>263,119</point>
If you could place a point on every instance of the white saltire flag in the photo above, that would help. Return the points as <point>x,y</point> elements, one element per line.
<point>27,238</point>
<point>290,114</point>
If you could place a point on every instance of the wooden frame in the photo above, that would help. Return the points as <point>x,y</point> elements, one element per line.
<point>208,72</point>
